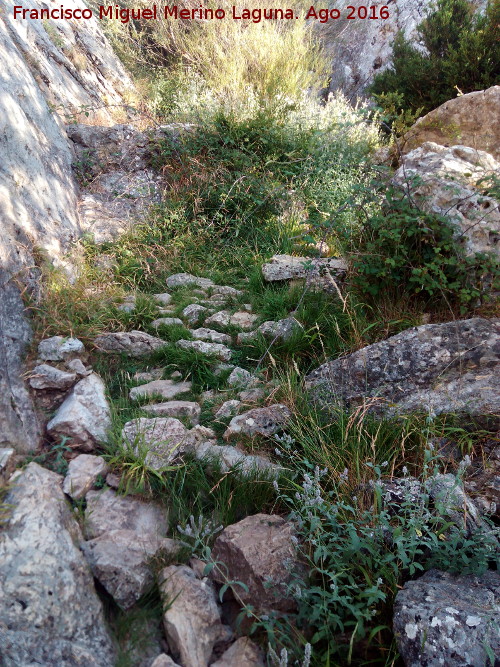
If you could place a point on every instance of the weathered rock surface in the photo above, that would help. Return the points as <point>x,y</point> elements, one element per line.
<point>220,319</point>
<point>240,378</point>
<point>243,320</point>
<point>132,343</point>
<point>107,511</point>
<point>448,184</point>
<point>186,279</point>
<point>121,561</point>
<point>188,409</point>
<point>164,298</point>
<point>7,464</point>
<point>257,551</point>
<point>217,350</point>
<point>50,377</point>
<point>49,611</point>
<point>162,438</point>
<point>82,474</point>
<point>468,120</point>
<point>482,481</point>
<point>441,619</point>
<point>192,622</point>
<point>167,389</point>
<point>164,660</point>
<point>211,336</point>
<point>85,415</point>
<point>259,421</point>
<point>243,653</point>
<point>288,267</point>
<point>282,331</point>
<point>60,348</point>
<point>193,313</point>
<point>231,458</point>
<point>167,322</point>
<point>437,368</point>
<point>228,409</point>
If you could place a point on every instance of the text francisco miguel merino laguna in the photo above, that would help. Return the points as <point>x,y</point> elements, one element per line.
<point>124,15</point>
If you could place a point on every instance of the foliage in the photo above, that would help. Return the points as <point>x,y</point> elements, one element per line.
<point>461,54</point>
<point>403,247</point>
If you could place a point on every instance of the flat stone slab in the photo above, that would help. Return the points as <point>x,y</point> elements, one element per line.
<point>50,377</point>
<point>167,389</point>
<point>259,421</point>
<point>287,267</point>
<point>162,439</point>
<point>216,350</point>
<point>211,336</point>
<point>188,409</point>
<point>167,322</point>
<point>132,343</point>
<point>186,279</point>
<point>194,312</point>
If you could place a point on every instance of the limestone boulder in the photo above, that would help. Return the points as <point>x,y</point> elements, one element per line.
<point>178,409</point>
<point>191,618</point>
<point>167,389</point>
<point>435,368</point>
<point>316,271</point>
<point>216,350</point>
<point>60,348</point>
<point>161,439</point>
<point>259,552</point>
<point>211,336</point>
<point>471,120</point>
<point>442,619</point>
<point>84,417</point>
<point>447,181</point>
<point>50,613</point>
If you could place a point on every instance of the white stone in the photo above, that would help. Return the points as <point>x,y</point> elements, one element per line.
<point>211,336</point>
<point>167,389</point>
<point>187,409</point>
<point>82,474</point>
<point>220,319</point>
<point>210,349</point>
<point>59,348</point>
<point>194,312</point>
<point>167,322</point>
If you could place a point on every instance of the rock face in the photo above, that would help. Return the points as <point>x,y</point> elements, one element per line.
<point>360,49</point>
<point>469,120</point>
<point>256,551</point>
<point>49,611</point>
<point>437,368</point>
<point>448,184</point>
<point>441,619</point>
<point>85,415</point>
<point>191,619</point>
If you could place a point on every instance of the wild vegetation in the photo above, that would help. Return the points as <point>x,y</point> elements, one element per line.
<point>261,168</point>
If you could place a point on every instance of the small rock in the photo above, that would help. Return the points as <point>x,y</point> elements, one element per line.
<point>121,561</point>
<point>240,378</point>
<point>77,366</point>
<point>231,458</point>
<point>82,474</point>
<point>113,480</point>
<point>177,409</point>
<point>243,653</point>
<point>128,305</point>
<point>210,349</point>
<point>162,438</point>
<point>149,376</point>
<point>220,319</point>
<point>132,343</point>
<point>49,377</point>
<point>287,267</point>
<point>259,421</point>
<point>227,409</point>
<point>442,619</point>
<point>59,348</point>
<point>191,619</point>
<point>226,290</point>
<point>222,368</point>
<point>166,311</point>
<point>164,660</point>
<point>167,322</point>
<point>165,298</point>
<point>211,336</point>
<point>185,279</point>
<point>283,330</point>
<point>85,415</point>
<point>194,313</point>
<point>244,320</point>
<point>107,511</point>
<point>255,551</point>
<point>252,395</point>
<point>167,389</point>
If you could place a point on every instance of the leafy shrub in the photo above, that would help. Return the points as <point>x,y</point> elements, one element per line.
<point>405,248</point>
<point>462,53</point>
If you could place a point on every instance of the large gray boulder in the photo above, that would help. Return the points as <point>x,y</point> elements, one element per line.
<point>437,368</point>
<point>85,415</point>
<point>447,181</point>
<point>441,619</point>
<point>49,611</point>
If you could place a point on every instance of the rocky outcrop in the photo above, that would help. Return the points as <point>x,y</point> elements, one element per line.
<point>259,552</point>
<point>441,619</point>
<point>436,368</point>
<point>447,181</point>
<point>49,611</point>
<point>469,120</point>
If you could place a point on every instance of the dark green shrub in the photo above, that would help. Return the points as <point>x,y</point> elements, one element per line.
<point>405,248</point>
<point>462,55</point>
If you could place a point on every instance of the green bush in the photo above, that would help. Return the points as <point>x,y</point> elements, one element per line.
<point>405,248</point>
<point>462,54</point>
